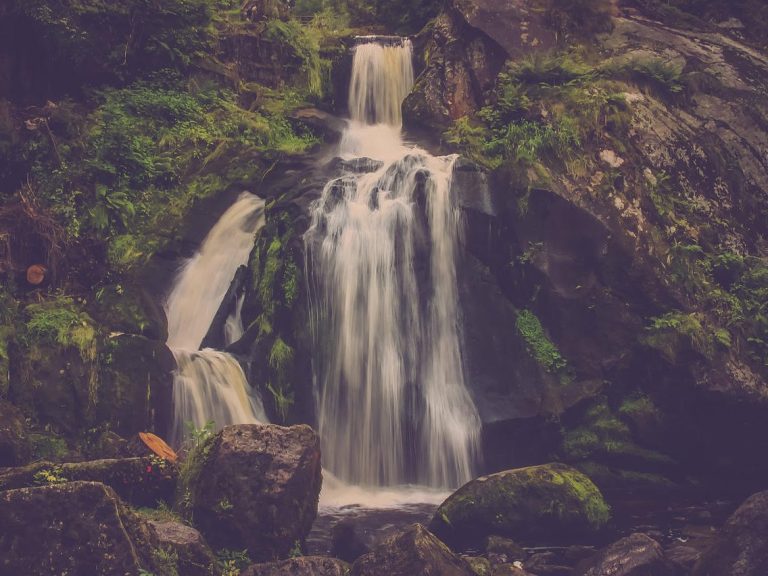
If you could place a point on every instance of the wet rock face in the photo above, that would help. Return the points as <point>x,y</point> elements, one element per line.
<point>518,26</point>
<point>741,547</point>
<point>258,489</point>
<point>541,504</point>
<point>14,446</point>
<point>635,555</point>
<point>72,528</point>
<point>303,566</point>
<point>412,551</point>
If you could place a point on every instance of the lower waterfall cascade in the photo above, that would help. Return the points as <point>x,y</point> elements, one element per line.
<point>208,384</point>
<point>382,253</point>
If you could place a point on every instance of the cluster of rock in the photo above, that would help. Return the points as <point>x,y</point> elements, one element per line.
<point>255,488</point>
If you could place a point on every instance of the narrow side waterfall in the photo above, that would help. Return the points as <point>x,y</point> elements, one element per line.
<point>382,254</point>
<point>209,384</point>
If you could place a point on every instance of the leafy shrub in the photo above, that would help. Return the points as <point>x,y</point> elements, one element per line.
<point>539,345</point>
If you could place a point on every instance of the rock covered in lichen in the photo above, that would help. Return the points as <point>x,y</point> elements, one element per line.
<point>409,552</point>
<point>193,555</point>
<point>258,489</point>
<point>71,528</point>
<point>535,504</point>
<point>140,481</point>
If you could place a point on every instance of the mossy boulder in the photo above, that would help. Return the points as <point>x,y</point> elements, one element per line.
<point>71,528</point>
<point>140,481</point>
<point>258,488</point>
<point>538,504</point>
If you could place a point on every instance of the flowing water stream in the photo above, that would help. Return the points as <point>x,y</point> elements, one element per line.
<point>382,252</point>
<point>209,384</point>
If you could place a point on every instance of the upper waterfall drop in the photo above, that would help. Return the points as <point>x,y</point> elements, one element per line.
<point>382,255</point>
<point>382,76</point>
<point>210,385</point>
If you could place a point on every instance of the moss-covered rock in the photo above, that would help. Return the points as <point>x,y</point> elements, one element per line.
<point>140,481</point>
<point>536,504</point>
<point>258,488</point>
<point>72,528</point>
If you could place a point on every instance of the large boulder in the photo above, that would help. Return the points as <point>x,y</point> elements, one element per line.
<point>194,557</point>
<point>258,489</point>
<point>538,504</point>
<point>741,548</point>
<point>14,444</point>
<point>635,555</point>
<point>71,528</point>
<point>412,552</point>
<point>462,65</point>
<point>140,481</point>
<point>302,566</point>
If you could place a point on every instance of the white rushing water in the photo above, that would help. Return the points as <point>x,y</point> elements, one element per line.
<point>209,384</point>
<point>382,253</point>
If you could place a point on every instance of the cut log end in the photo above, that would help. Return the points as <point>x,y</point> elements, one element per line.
<point>36,274</point>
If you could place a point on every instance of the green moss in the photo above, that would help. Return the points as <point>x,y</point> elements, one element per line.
<point>640,405</point>
<point>539,345</point>
<point>547,500</point>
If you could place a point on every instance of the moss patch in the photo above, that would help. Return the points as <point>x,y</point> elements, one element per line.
<point>535,504</point>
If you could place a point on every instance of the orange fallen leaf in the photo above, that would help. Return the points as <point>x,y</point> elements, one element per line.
<point>158,446</point>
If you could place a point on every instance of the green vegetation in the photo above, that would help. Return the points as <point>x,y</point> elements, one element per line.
<point>108,40</point>
<point>231,562</point>
<point>602,434</point>
<point>197,449</point>
<point>275,282</point>
<point>539,345</point>
<point>544,110</point>
<point>49,476</point>
<point>61,321</point>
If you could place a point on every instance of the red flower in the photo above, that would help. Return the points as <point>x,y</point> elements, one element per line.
<point>149,469</point>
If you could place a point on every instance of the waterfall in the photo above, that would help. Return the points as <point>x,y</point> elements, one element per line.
<point>382,252</point>
<point>209,384</point>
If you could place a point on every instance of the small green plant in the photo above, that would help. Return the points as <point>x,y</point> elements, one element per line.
<point>225,505</point>
<point>197,447</point>
<point>231,562</point>
<point>49,476</point>
<point>296,551</point>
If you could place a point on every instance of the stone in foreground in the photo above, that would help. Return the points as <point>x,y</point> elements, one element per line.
<point>71,528</point>
<point>741,548</point>
<point>195,558</point>
<point>304,566</point>
<point>258,489</point>
<point>635,555</point>
<point>538,504</point>
<point>412,552</point>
